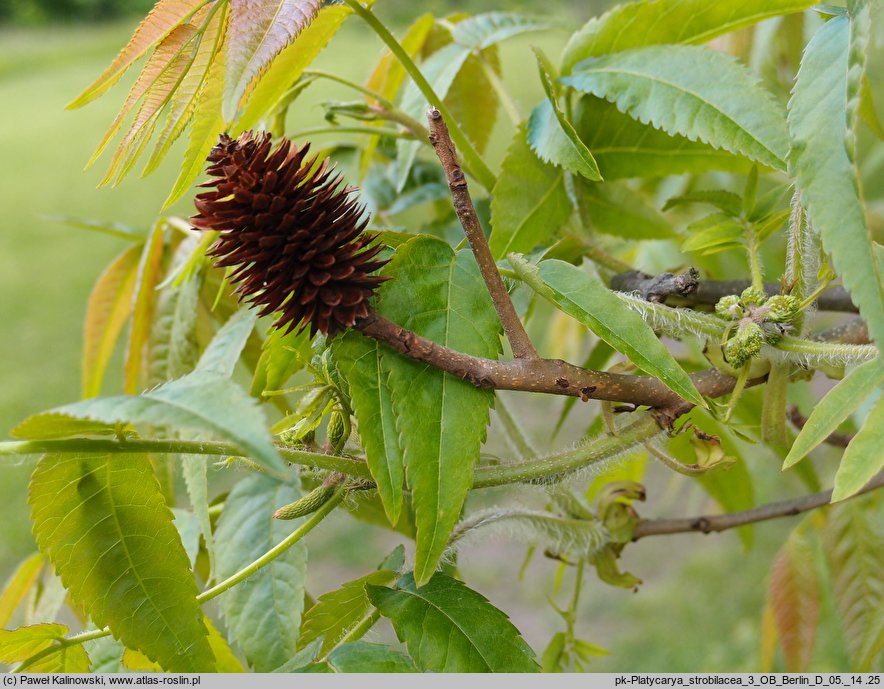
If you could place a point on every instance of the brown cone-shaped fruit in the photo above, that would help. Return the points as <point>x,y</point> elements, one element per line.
<point>292,232</point>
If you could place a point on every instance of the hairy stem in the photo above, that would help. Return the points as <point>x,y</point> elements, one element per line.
<point>472,158</point>
<point>722,522</point>
<point>469,220</point>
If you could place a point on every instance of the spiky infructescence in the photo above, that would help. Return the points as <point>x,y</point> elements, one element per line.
<point>292,233</point>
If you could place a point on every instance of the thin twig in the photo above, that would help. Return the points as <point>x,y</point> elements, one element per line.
<point>658,288</point>
<point>710,291</point>
<point>834,438</point>
<point>466,213</point>
<point>722,522</point>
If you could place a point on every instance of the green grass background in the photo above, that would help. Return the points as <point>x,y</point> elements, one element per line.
<point>700,608</point>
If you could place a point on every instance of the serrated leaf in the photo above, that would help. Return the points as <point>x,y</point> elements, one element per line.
<point>282,356</point>
<point>624,147</point>
<point>223,352</point>
<point>337,612</point>
<point>694,92</point>
<point>615,209</point>
<point>529,201</point>
<point>867,110</point>
<point>162,59</point>
<point>448,627</point>
<point>105,654</point>
<point>823,166</point>
<point>834,408</point>
<point>189,530</point>
<point>49,425</point>
<point>264,615</point>
<point>206,403</point>
<point>67,659</point>
<point>19,585</point>
<point>441,419</point>
<point>173,348</point>
<point>794,597</point>
<point>258,32</point>
<point>206,125</point>
<point>157,95</point>
<point>359,359</point>
<point>716,232</point>
<point>224,656</point>
<point>185,97</point>
<point>440,70</point>
<point>490,28</point>
<point>854,550</point>
<point>360,656</point>
<point>143,299</point>
<point>864,457</point>
<point>106,312</point>
<point>725,201</point>
<point>290,64</point>
<point>552,136</point>
<point>103,521</point>
<point>584,297</point>
<point>636,24</point>
<point>20,644</point>
<point>159,23</point>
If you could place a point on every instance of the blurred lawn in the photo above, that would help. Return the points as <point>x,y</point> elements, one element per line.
<point>701,605</point>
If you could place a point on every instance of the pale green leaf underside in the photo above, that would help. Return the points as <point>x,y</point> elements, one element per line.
<point>362,657</point>
<point>834,408</point>
<point>485,30</point>
<point>263,614</point>
<point>448,627</point>
<point>204,402</point>
<point>360,360</point>
<point>694,92</point>
<point>529,201</point>
<point>826,176</point>
<point>441,419</point>
<point>636,24</point>
<point>864,456</point>
<point>615,209</point>
<point>554,140</point>
<point>104,523</point>
<point>585,298</point>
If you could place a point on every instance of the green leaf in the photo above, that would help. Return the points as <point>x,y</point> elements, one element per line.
<point>834,408</point>
<point>824,168</point>
<point>472,99</point>
<point>103,522</point>
<point>713,233</point>
<point>584,297</point>
<point>204,402</point>
<point>448,627</point>
<point>624,147</point>
<point>290,64</point>
<point>864,457</point>
<point>223,352</point>
<point>794,596</point>
<point>282,356</point>
<point>173,348</point>
<point>725,201</point>
<point>66,659</point>
<point>692,91</point>
<point>205,127</point>
<point>20,644</point>
<point>440,70</point>
<point>106,312</point>
<point>360,656</point>
<point>335,613</point>
<point>552,136</point>
<point>635,24</point>
<point>529,202</point>
<point>867,110</point>
<point>159,23</point>
<point>615,209</point>
<point>19,584</point>
<point>49,425</point>
<point>360,361</point>
<point>258,32</point>
<point>854,549</point>
<point>441,419</point>
<point>144,295</point>
<point>263,615</point>
<point>488,29</point>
